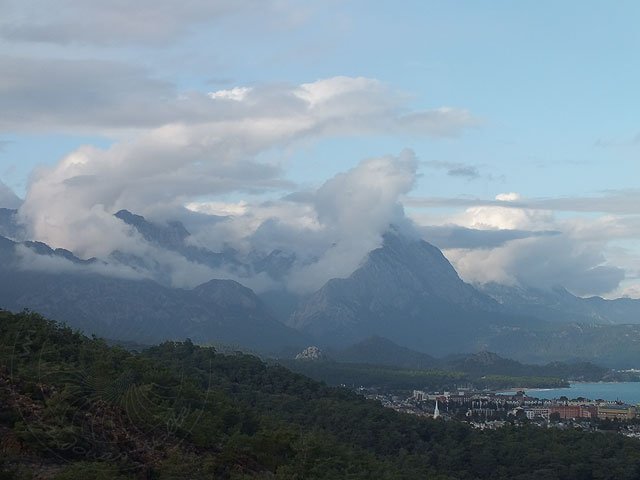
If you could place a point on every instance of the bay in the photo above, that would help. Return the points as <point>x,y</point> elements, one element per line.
<point>628,392</point>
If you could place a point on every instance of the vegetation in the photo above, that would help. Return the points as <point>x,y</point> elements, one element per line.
<point>72,407</point>
<point>398,379</point>
<point>385,377</point>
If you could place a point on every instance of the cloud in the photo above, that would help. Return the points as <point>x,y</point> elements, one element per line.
<point>118,22</point>
<point>508,197</point>
<point>534,248</point>
<point>106,96</point>
<point>456,237</point>
<point>354,209</point>
<point>30,260</point>
<point>622,202</point>
<point>467,172</point>
<point>632,291</point>
<point>59,94</point>
<point>70,204</point>
<point>504,218</point>
<point>542,262</point>
<point>330,230</point>
<point>8,199</point>
<point>455,169</point>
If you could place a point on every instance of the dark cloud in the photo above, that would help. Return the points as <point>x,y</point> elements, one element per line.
<point>623,202</point>
<point>454,236</point>
<point>120,22</point>
<point>466,172</point>
<point>455,169</point>
<point>40,94</point>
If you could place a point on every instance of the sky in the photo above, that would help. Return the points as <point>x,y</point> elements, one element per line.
<point>505,132</point>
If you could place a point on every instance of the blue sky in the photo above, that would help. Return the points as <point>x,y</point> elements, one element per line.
<point>550,87</point>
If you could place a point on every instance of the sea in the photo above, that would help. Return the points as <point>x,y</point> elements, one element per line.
<point>628,392</point>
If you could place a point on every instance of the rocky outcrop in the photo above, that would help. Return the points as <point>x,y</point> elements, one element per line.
<point>311,353</point>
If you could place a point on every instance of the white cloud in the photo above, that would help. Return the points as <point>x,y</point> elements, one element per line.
<point>631,291</point>
<point>330,230</point>
<point>574,257</point>
<point>70,204</point>
<point>354,209</point>
<point>508,197</point>
<point>236,94</point>
<point>497,218</point>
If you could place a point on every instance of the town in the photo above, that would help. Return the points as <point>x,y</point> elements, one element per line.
<point>491,410</point>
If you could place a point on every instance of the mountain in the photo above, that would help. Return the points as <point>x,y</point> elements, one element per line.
<point>381,351</point>
<point>9,226</point>
<point>219,311</point>
<point>406,291</point>
<point>559,305</point>
<point>489,363</point>
<point>173,236</point>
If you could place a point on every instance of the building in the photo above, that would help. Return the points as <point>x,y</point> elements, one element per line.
<point>537,412</point>
<point>570,411</point>
<point>617,412</point>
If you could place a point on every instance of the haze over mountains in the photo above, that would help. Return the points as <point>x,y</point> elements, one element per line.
<point>405,291</point>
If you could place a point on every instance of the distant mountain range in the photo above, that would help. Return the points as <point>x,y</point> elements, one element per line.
<point>380,352</point>
<point>219,311</point>
<point>405,291</point>
<point>559,305</point>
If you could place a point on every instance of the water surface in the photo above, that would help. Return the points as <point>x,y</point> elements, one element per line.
<point>628,392</point>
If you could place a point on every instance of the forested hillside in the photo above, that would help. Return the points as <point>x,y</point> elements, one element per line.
<point>73,407</point>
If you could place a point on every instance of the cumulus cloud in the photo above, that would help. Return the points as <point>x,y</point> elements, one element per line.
<point>355,208</point>
<point>631,291</point>
<point>537,248</point>
<point>328,230</point>
<point>70,204</point>
<point>508,197</point>
<point>331,229</point>
<point>504,218</point>
<point>542,262</point>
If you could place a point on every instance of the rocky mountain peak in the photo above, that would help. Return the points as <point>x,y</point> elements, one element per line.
<point>170,235</point>
<point>311,353</point>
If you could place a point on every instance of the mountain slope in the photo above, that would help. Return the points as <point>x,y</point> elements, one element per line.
<point>381,351</point>
<point>406,291</point>
<point>219,311</point>
<point>559,305</point>
<point>9,226</point>
<point>172,236</point>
